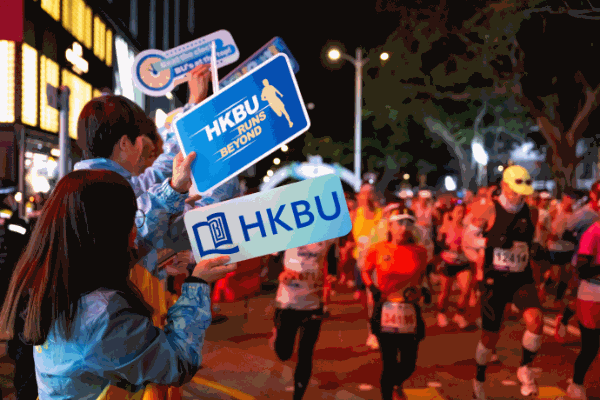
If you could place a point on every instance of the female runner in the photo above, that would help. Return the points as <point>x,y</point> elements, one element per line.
<point>399,264</point>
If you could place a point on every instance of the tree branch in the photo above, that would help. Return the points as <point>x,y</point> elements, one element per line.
<point>575,133</point>
<point>479,118</point>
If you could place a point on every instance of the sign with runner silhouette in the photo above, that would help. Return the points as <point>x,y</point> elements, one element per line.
<point>242,124</point>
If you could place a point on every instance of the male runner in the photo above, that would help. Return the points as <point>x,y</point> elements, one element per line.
<point>507,229</point>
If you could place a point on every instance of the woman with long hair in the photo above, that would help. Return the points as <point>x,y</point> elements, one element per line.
<point>91,331</point>
<point>399,264</point>
<point>454,265</point>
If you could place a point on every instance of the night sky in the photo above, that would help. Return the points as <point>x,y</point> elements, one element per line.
<point>306,27</point>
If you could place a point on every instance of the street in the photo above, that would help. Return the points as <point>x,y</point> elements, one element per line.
<point>238,363</point>
<point>237,356</point>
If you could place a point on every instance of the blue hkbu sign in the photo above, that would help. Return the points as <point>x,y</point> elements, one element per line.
<point>242,124</point>
<point>291,216</point>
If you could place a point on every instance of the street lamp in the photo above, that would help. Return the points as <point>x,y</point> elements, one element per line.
<point>406,176</point>
<point>334,54</point>
<point>384,56</point>
<point>276,161</point>
<point>284,148</point>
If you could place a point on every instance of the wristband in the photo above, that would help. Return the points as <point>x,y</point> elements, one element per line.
<point>194,279</point>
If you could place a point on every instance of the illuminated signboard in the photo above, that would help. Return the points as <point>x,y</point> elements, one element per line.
<point>74,56</point>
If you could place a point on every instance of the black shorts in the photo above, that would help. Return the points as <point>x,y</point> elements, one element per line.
<point>451,270</point>
<point>539,253</point>
<point>501,289</point>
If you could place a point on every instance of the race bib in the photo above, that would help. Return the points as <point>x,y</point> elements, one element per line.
<point>514,259</point>
<point>398,318</point>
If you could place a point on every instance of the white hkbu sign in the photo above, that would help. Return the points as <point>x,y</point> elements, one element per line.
<point>294,215</point>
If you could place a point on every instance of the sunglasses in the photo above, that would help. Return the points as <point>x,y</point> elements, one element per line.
<point>528,182</point>
<point>140,218</point>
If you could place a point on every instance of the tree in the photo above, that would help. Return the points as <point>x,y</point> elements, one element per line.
<point>561,95</point>
<point>442,72</point>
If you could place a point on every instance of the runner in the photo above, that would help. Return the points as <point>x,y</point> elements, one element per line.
<point>588,306</point>
<point>454,265</point>
<point>364,228</point>
<point>577,225</point>
<point>398,264</point>
<point>300,308</point>
<point>508,232</point>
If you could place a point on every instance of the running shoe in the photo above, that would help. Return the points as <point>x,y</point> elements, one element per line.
<point>576,392</point>
<point>479,322</point>
<point>528,385</point>
<point>478,392</point>
<point>357,295</point>
<point>560,330</point>
<point>494,358</point>
<point>460,321</point>
<point>442,320</point>
<point>372,342</point>
<point>514,308</point>
<point>350,284</point>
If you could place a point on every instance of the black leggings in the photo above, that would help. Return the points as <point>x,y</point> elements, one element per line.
<point>288,322</point>
<point>590,344</point>
<point>394,372</point>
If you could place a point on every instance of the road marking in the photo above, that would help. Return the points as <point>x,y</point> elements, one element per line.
<point>236,394</point>
<point>550,393</point>
<point>365,387</point>
<point>434,384</point>
<point>509,383</point>
<point>423,394</point>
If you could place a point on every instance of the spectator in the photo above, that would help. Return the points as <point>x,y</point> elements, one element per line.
<point>77,314</point>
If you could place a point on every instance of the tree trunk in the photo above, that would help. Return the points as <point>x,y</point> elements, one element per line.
<point>467,171</point>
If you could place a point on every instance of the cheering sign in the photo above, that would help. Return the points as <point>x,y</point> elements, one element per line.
<point>268,51</point>
<point>242,124</point>
<point>251,226</point>
<point>156,72</point>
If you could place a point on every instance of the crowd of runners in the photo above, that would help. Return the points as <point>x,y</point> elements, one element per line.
<point>507,246</point>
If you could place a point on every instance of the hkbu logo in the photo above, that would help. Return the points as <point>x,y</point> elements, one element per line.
<point>220,234</point>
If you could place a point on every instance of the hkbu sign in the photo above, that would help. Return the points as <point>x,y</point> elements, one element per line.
<point>263,223</point>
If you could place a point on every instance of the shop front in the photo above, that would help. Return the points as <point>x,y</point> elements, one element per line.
<point>65,43</point>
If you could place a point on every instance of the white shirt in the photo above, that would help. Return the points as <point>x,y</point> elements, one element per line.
<point>307,261</point>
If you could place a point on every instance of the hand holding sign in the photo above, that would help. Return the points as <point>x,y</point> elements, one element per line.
<point>214,269</point>
<point>181,181</point>
<point>200,76</point>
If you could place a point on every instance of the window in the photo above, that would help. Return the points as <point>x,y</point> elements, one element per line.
<point>80,94</point>
<point>52,7</point>
<point>49,73</point>
<point>7,81</point>
<point>67,16</point>
<point>109,47</point>
<point>29,68</point>
<point>87,28</point>
<point>99,38</point>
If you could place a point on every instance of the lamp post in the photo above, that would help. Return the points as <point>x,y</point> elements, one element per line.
<point>358,62</point>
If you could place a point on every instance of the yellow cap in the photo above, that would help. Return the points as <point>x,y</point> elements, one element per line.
<point>518,180</point>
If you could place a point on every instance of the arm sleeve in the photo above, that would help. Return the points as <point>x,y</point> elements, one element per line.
<point>159,203</point>
<point>126,346</point>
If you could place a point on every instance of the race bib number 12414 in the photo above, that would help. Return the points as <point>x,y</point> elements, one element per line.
<point>514,259</point>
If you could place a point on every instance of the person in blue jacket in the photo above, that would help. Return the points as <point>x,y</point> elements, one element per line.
<point>90,327</point>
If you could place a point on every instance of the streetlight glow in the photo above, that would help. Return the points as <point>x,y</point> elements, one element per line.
<point>269,173</point>
<point>406,176</point>
<point>384,56</point>
<point>334,54</point>
<point>284,148</point>
<point>479,153</point>
<point>266,179</point>
<point>276,161</point>
<point>500,168</point>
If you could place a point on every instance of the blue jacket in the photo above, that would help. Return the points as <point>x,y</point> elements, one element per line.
<point>113,345</point>
<point>155,196</point>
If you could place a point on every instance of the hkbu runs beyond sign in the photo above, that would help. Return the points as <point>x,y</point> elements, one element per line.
<point>243,123</point>
<point>252,226</point>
